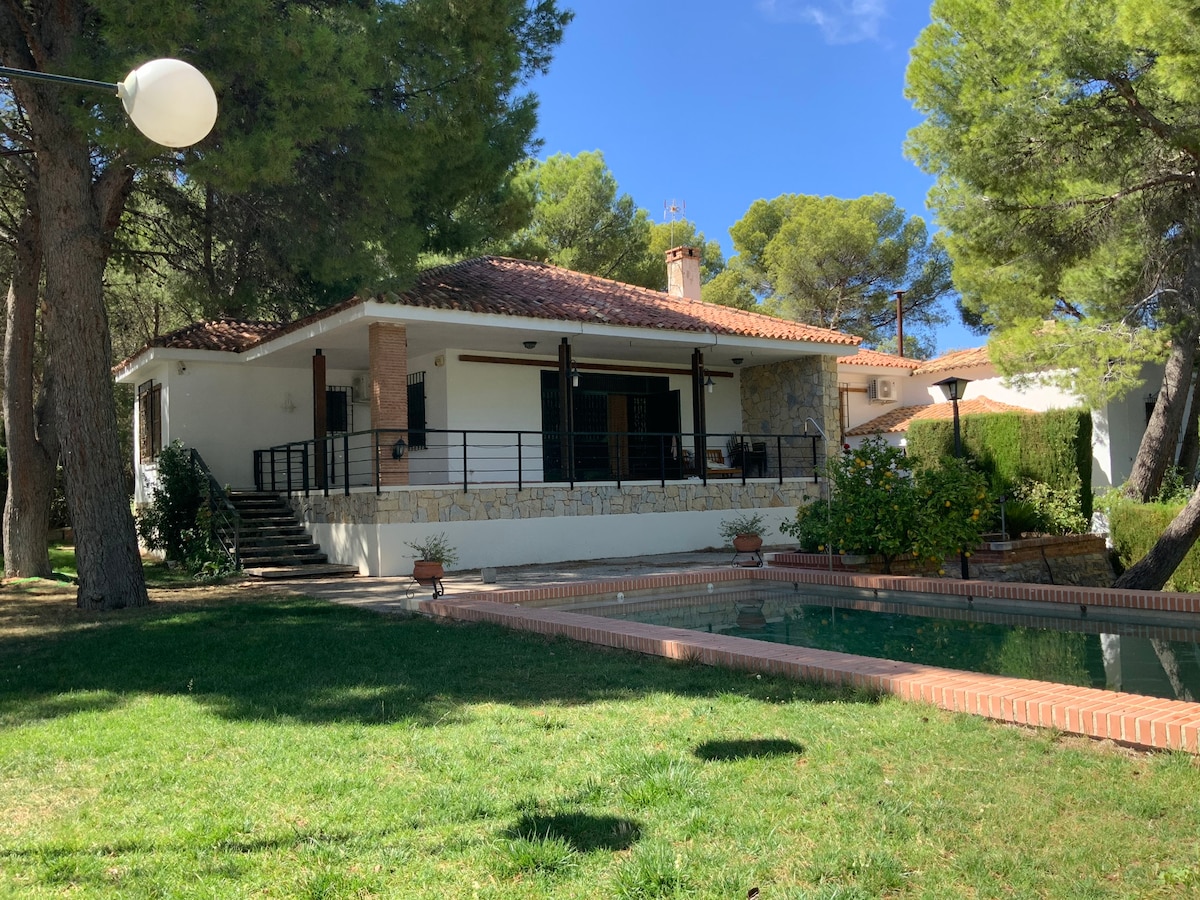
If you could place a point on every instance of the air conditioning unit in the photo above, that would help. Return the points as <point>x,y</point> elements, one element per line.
<point>882,390</point>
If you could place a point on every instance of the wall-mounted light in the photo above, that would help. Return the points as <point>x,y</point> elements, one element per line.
<point>709,383</point>
<point>574,377</point>
<point>289,405</point>
<point>738,360</point>
<point>529,345</point>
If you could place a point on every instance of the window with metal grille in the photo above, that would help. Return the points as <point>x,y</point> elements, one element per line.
<point>416,411</point>
<point>149,399</point>
<point>339,413</point>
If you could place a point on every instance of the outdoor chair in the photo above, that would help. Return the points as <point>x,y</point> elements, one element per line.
<point>715,464</point>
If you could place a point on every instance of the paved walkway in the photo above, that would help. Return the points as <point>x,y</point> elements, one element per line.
<point>391,594</point>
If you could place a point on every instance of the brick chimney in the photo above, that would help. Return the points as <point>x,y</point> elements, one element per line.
<point>683,272</point>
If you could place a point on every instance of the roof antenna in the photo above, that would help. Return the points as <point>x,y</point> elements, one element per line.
<point>673,209</point>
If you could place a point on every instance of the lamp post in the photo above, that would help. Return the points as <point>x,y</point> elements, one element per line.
<point>169,101</point>
<point>74,208</point>
<point>953,389</point>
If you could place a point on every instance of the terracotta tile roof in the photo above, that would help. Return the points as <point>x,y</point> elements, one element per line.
<point>501,286</point>
<point>865,357</point>
<point>229,334</point>
<point>956,359</point>
<point>896,421</point>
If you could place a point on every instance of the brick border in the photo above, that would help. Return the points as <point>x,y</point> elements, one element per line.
<point>1133,719</point>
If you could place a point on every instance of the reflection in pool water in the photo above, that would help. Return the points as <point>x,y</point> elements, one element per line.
<point>1153,659</point>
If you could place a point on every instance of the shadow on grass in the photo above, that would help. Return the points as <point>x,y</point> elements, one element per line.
<point>717,751</point>
<point>582,831</point>
<point>312,661</point>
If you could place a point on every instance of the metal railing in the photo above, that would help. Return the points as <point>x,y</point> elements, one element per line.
<point>480,458</point>
<point>224,518</point>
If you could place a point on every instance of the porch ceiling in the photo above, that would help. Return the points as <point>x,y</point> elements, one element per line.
<point>344,342</point>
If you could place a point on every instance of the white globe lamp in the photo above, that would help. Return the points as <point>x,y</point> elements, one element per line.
<point>170,102</point>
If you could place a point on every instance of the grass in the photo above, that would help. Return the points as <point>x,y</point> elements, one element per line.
<point>158,574</point>
<point>234,746</point>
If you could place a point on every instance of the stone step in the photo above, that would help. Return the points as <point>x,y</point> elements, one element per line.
<point>329,570</point>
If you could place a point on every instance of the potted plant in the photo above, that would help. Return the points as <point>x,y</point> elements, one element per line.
<point>744,531</point>
<point>434,553</point>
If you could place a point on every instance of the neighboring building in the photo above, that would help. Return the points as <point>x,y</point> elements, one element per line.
<point>881,394</point>
<point>532,413</point>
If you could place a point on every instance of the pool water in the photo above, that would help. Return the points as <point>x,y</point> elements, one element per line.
<point>1156,659</point>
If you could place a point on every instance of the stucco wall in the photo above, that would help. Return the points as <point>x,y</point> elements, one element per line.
<point>504,526</point>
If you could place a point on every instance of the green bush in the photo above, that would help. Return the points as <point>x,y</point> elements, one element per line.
<point>953,509</point>
<point>1134,528</point>
<point>1053,448</point>
<point>1054,510</point>
<point>178,521</point>
<point>810,528</point>
<point>880,507</point>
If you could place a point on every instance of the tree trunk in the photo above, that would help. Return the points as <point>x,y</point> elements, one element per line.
<point>32,443</point>
<point>1156,450</point>
<point>1189,450</point>
<point>1152,570</point>
<point>73,219</point>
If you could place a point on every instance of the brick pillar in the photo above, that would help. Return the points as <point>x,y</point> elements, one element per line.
<point>388,348</point>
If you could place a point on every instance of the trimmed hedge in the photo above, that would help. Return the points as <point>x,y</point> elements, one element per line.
<point>1135,527</point>
<point>1053,447</point>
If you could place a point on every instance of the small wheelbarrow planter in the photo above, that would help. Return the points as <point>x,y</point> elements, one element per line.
<point>428,573</point>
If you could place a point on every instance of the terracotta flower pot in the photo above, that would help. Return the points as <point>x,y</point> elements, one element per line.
<point>425,571</point>
<point>747,543</point>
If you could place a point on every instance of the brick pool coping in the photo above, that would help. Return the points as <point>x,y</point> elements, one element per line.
<point>1134,719</point>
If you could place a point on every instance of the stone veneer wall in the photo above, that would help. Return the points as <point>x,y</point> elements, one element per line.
<point>1072,559</point>
<point>417,505</point>
<point>779,398</point>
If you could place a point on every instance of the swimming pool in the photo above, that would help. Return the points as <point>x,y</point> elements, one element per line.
<point>574,610</point>
<point>1156,654</point>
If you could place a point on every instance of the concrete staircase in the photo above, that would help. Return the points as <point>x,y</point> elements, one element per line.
<point>273,543</point>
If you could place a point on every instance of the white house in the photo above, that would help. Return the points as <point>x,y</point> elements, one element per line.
<point>531,413</point>
<point>881,394</point>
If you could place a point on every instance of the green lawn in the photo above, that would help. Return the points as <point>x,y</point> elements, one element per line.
<point>291,748</point>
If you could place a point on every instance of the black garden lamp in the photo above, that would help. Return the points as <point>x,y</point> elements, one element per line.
<point>953,389</point>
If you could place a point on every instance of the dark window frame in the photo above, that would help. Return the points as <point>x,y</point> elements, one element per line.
<point>344,406</point>
<point>418,421</point>
<point>149,400</point>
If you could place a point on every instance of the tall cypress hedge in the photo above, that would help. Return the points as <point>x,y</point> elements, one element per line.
<point>1054,447</point>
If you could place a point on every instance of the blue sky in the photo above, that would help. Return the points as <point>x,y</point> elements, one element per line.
<point>718,103</point>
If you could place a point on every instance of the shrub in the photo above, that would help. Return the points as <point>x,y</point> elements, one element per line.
<point>880,507</point>
<point>953,508</point>
<point>178,520</point>
<point>874,502</point>
<point>1053,447</point>
<point>1134,528</point>
<point>169,523</point>
<point>1054,510</point>
<point>810,528</point>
